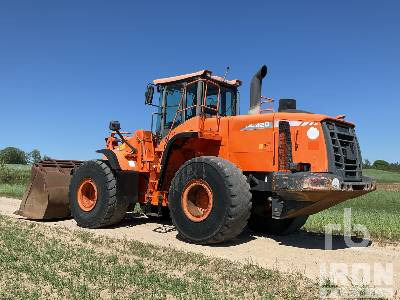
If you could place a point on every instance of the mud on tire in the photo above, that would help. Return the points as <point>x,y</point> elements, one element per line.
<point>110,207</point>
<point>229,192</point>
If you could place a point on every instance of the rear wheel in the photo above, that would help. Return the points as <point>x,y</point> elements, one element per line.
<point>93,196</point>
<point>209,200</point>
<point>261,219</point>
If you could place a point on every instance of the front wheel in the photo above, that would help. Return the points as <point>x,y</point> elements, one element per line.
<point>94,197</point>
<point>209,200</point>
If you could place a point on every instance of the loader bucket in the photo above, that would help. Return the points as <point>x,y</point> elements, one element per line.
<point>46,196</point>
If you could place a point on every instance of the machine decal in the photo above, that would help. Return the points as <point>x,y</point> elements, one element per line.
<point>308,123</point>
<point>293,123</point>
<point>266,125</point>
<point>261,125</point>
<point>296,123</point>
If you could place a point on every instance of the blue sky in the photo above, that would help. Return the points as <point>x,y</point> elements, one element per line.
<point>68,67</point>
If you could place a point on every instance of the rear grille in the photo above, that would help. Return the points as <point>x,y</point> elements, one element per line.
<point>343,150</point>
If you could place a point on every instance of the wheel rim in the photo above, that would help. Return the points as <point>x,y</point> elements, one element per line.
<point>87,195</point>
<point>197,200</point>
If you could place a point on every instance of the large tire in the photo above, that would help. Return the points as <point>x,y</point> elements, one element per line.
<point>225,187</point>
<point>106,206</point>
<point>262,221</point>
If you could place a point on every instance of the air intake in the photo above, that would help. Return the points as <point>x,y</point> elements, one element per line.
<point>286,104</point>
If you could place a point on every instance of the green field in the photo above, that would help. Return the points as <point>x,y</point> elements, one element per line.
<point>12,190</point>
<point>13,180</point>
<point>378,211</point>
<point>42,262</point>
<point>19,167</point>
<point>383,176</point>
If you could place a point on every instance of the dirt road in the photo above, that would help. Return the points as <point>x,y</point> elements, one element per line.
<point>302,252</point>
<point>388,186</point>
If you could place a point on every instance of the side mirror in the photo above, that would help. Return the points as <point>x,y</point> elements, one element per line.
<point>114,126</point>
<point>148,96</point>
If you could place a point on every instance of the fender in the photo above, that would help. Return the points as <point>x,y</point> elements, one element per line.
<point>167,153</point>
<point>112,158</point>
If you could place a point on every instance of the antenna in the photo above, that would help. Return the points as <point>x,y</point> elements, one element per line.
<point>226,72</point>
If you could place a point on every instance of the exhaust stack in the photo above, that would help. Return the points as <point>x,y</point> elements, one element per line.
<point>255,90</point>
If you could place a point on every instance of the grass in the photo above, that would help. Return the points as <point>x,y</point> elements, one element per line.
<point>42,262</point>
<point>13,180</point>
<point>19,167</point>
<point>12,190</point>
<point>383,176</point>
<point>378,211</point>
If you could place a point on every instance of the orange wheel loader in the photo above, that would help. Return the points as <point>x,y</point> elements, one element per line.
<point>211,169</point>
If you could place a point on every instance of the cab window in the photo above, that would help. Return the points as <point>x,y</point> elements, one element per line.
<point>211,100</point>
<point>173,96</point>
<point>227,106</point>
<point>159,111</point>
<point>205,93</point>
<point>173,100</point>
<point>191,100</point>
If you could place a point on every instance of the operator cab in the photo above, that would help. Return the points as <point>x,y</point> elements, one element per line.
<point>186,96</point>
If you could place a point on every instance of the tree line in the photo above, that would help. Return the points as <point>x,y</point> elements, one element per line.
<point>381,164</point>
<point>13,155</point>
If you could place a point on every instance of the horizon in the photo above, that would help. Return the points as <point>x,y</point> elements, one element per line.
<point>68,68</point>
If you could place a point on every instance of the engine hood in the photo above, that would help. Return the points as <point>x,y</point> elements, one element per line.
<point>258,119</point>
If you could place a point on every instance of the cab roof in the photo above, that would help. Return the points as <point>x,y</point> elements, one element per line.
<point>200,74</point>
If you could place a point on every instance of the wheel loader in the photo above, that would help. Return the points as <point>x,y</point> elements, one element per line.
<point>212,170</point>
